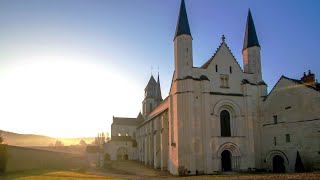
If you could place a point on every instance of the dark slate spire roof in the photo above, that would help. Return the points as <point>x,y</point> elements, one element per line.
<point>152,82</point>
<point>183,23</point>
<point>158,90</point>
<point>250,38</point>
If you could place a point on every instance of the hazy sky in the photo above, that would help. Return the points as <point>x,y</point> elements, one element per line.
<point>68,66</point>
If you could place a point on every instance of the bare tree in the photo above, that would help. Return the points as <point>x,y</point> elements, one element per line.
<point>58,143</point>
<point>107,137</point>
<point>82,142</point>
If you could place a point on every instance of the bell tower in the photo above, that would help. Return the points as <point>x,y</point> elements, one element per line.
<point>183,60</point>
<point>152,96</point>
<point>251,51</point>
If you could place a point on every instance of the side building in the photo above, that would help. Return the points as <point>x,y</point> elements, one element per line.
<point>291,125</point>
<point>123,144</point>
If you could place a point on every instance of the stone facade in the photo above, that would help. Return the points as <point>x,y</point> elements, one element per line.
<point>291,124</point>
<point>218,117</point>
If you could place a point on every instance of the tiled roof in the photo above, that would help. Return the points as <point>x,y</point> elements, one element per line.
<point>316,87</point>
<point>158,90</point>
<point>152,82</point>
<point>126,121</point>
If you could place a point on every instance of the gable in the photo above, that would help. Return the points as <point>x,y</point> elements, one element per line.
<point>223,58</point>
<point>285,85</point>
<point>291,100</point>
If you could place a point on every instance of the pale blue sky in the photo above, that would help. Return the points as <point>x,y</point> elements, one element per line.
<point>123,39</point>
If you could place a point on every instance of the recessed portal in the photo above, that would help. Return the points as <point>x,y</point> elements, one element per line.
<point>226,160</point>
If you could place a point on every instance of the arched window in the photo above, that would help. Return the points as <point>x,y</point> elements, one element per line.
<point>225,123</point>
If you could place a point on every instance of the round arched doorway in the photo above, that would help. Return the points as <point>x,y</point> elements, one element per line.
<point>226,160</point>
<point>278,164</point>
<point>122,154</point>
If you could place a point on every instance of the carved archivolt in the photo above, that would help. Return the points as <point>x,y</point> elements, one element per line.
<point>233,148</point>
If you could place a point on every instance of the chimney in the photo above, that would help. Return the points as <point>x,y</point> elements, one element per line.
<point>308,79</point>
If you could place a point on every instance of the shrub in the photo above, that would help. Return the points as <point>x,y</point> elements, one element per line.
<point>3,155</point>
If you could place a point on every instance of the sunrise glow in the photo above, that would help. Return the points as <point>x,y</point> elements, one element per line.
<point>63,97</point>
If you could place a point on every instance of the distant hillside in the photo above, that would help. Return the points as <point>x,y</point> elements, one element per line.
<point>38,140</point>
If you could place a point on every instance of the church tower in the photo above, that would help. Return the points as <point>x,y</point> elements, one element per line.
<point>181,112</point>
<point>183,60</point>
<point>251,52</point>
<point>152,96</point>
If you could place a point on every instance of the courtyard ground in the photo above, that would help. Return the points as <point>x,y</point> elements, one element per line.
<point>135,170</point>
<point>51,175</point>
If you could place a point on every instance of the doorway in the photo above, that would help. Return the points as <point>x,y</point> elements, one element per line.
<point>278,164</point>
<point>226,160</point>
<point>126,157</point>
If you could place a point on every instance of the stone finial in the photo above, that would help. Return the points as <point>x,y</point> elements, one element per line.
<point>223,38</point>
<point>304,74</point>
<point>309,72</point>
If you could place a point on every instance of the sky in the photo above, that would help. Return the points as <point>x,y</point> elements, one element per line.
<point>67,67</point>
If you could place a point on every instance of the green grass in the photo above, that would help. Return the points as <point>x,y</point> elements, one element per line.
<point>51,175</point>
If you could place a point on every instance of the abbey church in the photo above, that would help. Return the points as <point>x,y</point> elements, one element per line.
<point>220,117</point>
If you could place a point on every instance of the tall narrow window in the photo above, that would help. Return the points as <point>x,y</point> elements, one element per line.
<point>230,70</point>
<point>287,137</point>
<point>216,68</point>
<point>275,119</point>
<point>150,107</point>
<point>275,141</point>
<point>225,123</point>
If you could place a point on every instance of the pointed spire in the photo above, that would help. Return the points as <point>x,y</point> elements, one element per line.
<point>183,23</point>
<point>158,90</point>
<point>250,38</point>
<point>152,82</point>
